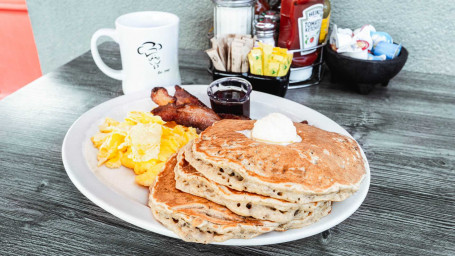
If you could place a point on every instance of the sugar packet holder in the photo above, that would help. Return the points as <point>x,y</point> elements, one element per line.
<point>229,53</point>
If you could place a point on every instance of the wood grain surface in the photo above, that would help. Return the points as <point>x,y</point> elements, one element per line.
<point>406,130</point>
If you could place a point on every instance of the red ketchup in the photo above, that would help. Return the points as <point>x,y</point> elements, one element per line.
<point>300,26</point>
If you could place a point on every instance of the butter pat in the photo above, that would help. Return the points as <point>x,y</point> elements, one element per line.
<point>275,128</point>
<point>144,140</point>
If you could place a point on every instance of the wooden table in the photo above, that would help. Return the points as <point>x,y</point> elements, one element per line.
<point>406,130</point>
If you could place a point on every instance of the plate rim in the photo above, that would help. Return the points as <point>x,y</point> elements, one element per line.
<point>87,188</point>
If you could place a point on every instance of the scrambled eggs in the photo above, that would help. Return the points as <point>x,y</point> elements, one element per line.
<point>143,142</point>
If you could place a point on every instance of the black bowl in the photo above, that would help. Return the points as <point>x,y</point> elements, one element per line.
<point>269,84</point>
<point>363,74</point>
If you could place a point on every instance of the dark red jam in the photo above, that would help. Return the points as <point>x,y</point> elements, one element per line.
<point>231,102</point>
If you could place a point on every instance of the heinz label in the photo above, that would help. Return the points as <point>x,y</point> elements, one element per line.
<point>310,26</point>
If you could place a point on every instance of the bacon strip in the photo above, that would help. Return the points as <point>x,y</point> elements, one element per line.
<point>161,97</point>
<point>167,112</point>
<point>196,116</point>
<point>184,97</point>
<point>185,109</point>
<point>199,117</point>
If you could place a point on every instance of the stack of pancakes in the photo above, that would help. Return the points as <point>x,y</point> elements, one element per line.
<point>225,185</point>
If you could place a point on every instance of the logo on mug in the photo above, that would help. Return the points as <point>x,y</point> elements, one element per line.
<point>151,52</point>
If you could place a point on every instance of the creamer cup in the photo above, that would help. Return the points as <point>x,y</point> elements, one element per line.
<point>341,38</point>
<point>362,55</point>
<point>387,49</point>
<point>380,57</point>
<point>363,34</point>
<point>380,37</point>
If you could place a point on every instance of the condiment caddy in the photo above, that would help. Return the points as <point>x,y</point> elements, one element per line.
<point>264,66</point>
<point>301,26</point>
<point>312,73</point>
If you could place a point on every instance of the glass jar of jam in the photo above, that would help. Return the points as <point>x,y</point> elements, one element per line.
<point>300,25</point>
<point>230,95</point>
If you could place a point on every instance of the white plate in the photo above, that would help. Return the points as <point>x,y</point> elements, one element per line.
<point>115,190</point>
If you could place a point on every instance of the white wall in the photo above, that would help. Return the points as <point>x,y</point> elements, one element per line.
<point>63,28</point>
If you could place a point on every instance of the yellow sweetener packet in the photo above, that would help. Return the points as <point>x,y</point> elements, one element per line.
<point>267,60</point>
<point>272,68</point>
<point>267,55</point>
<point>278,58</point>
<point>285,60</point>
<point>287,64</point>
<point>280,51</point>
<point>282,60</point>
<point>283,69</point>
<point>290,55</point>
<point>255,60</point>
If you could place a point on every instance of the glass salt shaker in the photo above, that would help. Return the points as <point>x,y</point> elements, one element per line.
<point>265,31</point>
<point>275,17</point>
<point>233,16</point>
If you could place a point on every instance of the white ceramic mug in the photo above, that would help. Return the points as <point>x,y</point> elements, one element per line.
<point>148,48</point>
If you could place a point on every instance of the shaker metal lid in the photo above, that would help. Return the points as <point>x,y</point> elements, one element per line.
<point>234,3</point>
<point>270,14</point>
<point>264,26</point>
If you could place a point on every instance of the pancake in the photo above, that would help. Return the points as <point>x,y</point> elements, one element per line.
<point>324,166</point>
<point>196,219</point>
<point>189,180</point>
<point>323,210</point>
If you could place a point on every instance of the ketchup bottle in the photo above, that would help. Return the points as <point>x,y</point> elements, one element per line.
<point>300,26</point>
